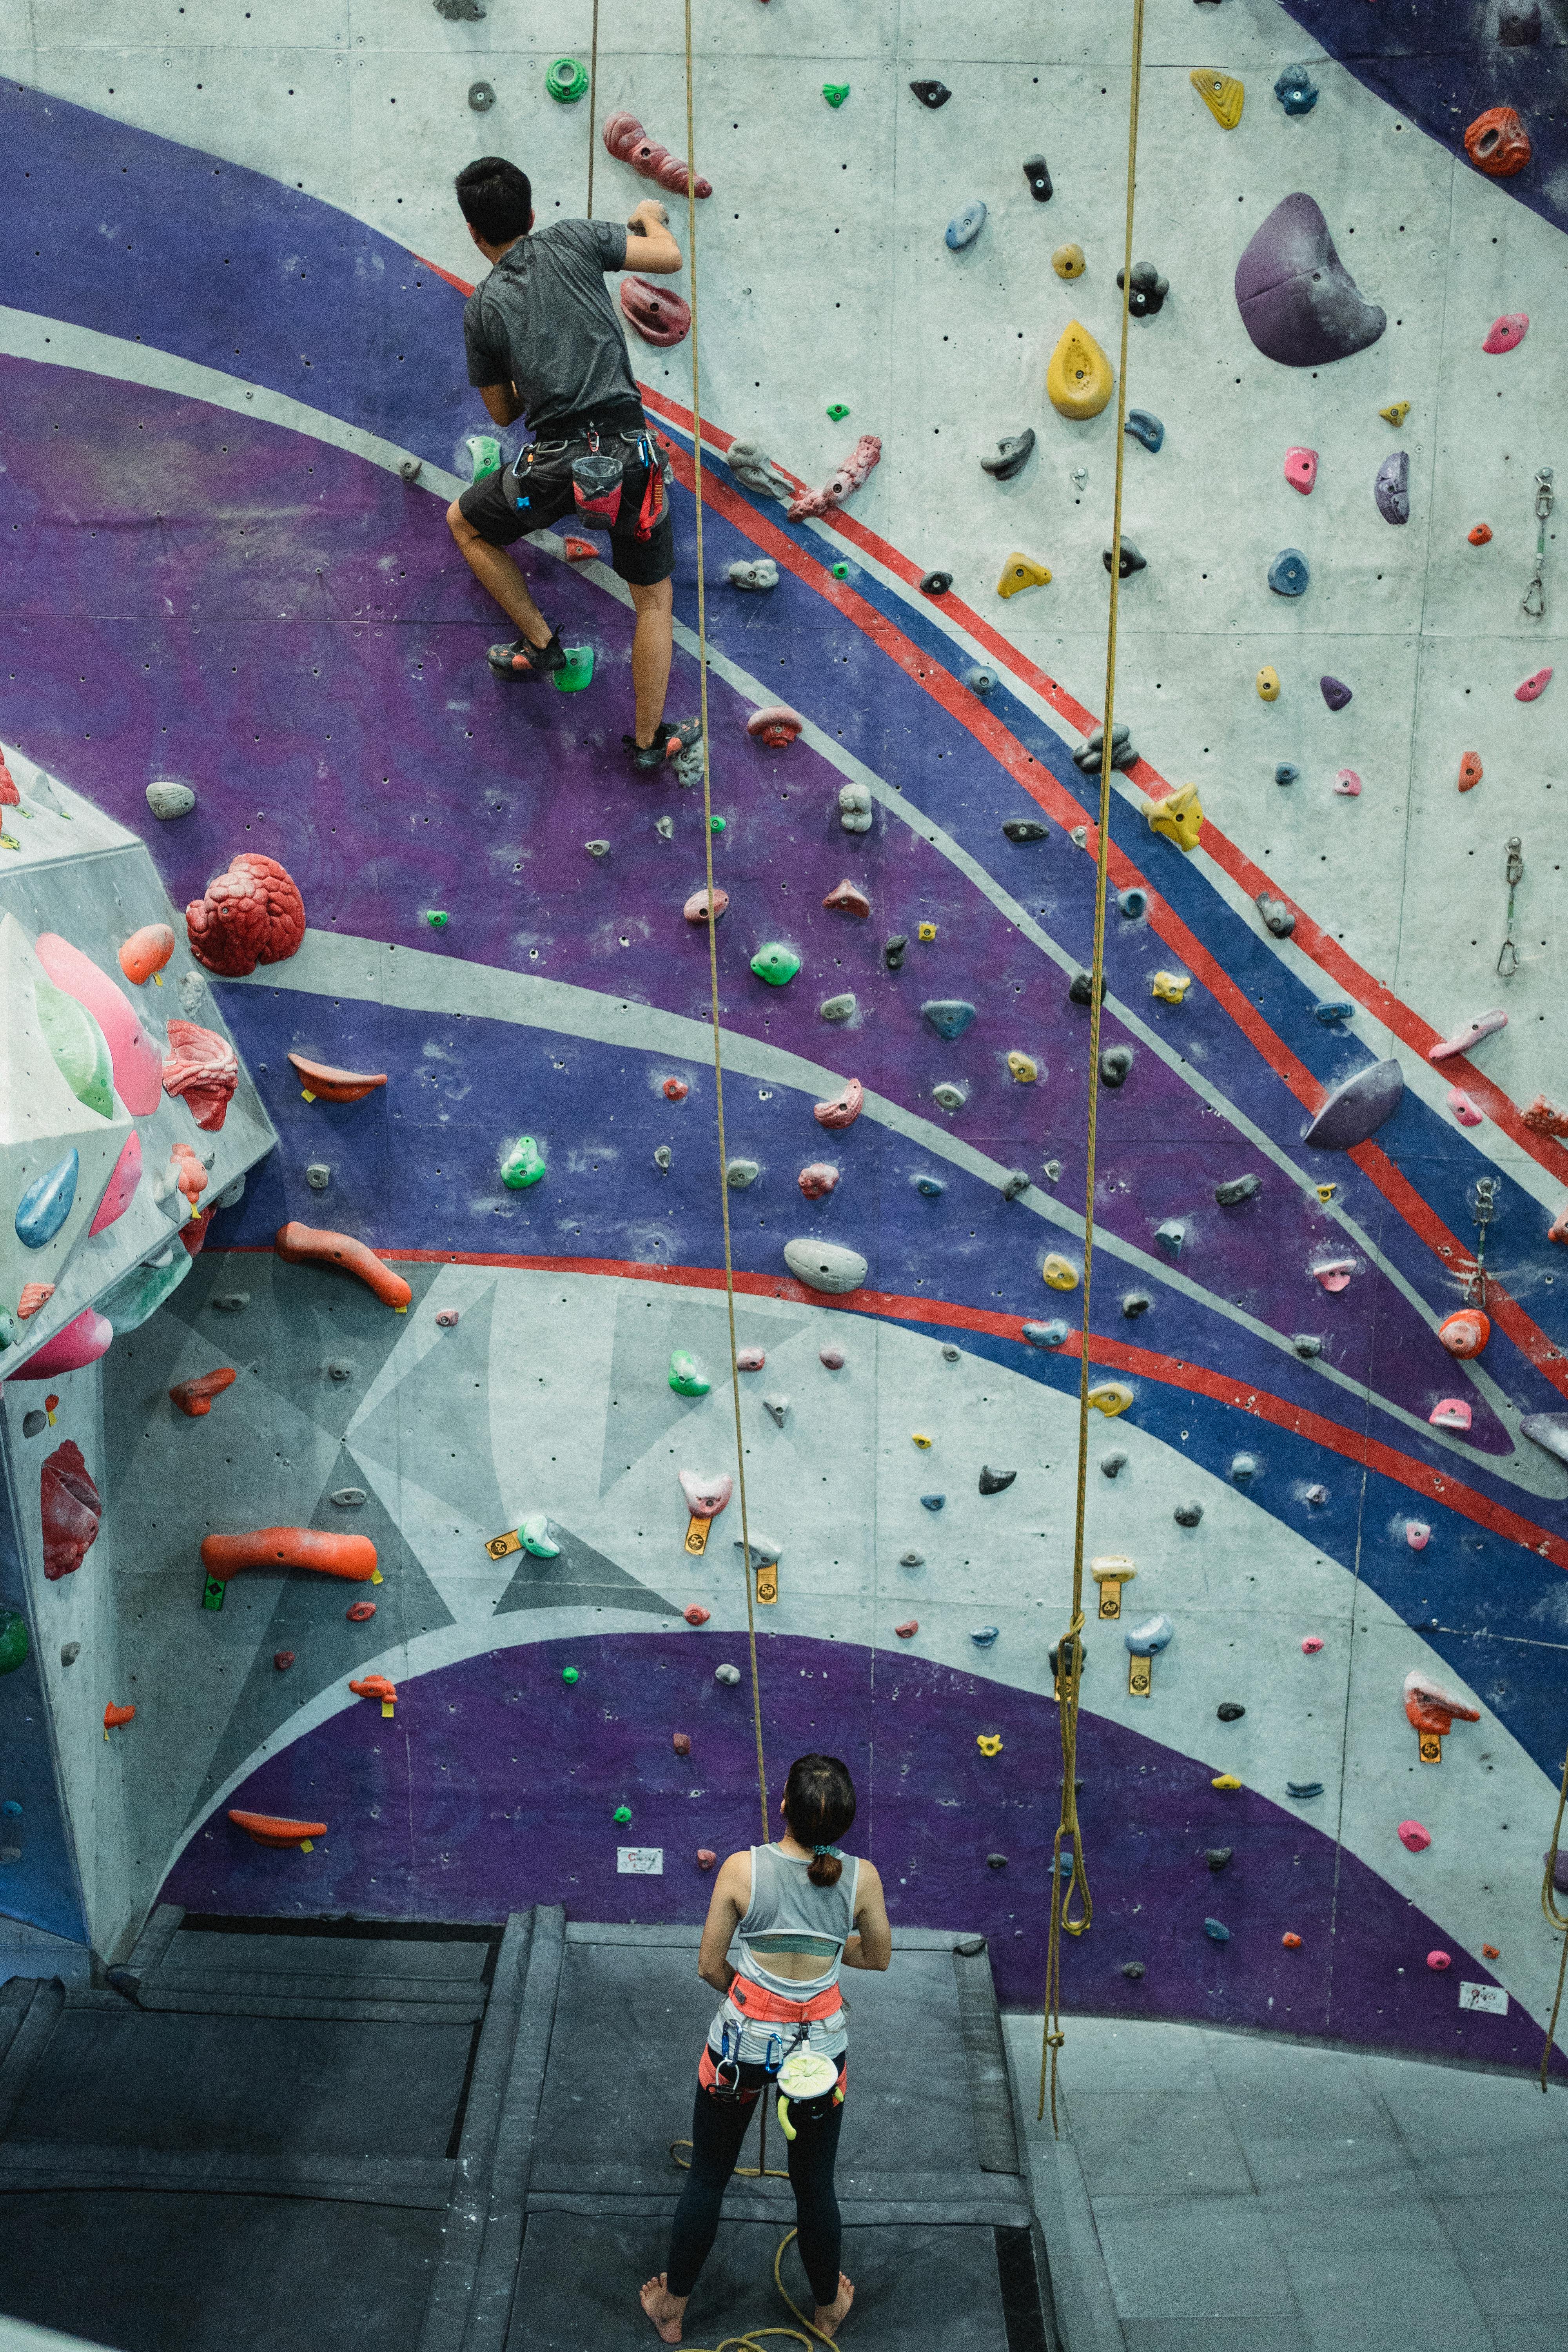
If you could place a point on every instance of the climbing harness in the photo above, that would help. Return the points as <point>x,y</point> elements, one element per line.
<point>1069,1650</point>
<point>1554,1918</point>
<point>1507,954</point>
<point>1534,602</point>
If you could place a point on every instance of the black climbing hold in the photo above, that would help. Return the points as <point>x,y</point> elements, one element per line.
<point>1134,1968</point>
<point>1239,1187</point>
<point>1012,455</point>
<point>1136,1302</point>
<point>969,1947</point>
<point>1114,1064</point>
<point>893,954</point>
<point>995,1861</point>
<point>1053,1655</point>
<point>1012,1184</point>
<point>1145,426</point>
<point>1131,561</point>
<point>1112,1462</point>
<point>1228,1711</point>
<point>1036,170</point>
<point>1519,29</point>
<point>931,93</point>
<point>1087,758</point>
<point>34,1423</point>
<point>1080,989</point>
<point>1188,1514</point>
<point>1024,828</point>
<point>996,1482</point>
<point>1304,1787</point>
<point>1149,290</point>
<point>936,584</point>
<point>1217,1856</point>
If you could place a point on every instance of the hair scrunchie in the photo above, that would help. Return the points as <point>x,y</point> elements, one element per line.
<point>823,1849</point>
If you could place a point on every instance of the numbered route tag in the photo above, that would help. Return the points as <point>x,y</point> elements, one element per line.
<point>697,1537</point>
<point>499,1546</point>
<point>640,1861</point>
<point>1491,1998</point>
<point>767,1581</point>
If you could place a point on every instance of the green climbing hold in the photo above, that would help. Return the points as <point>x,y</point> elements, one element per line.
<point>715,824</point>
<point>622,1815</point>
<point>524,1164</point>
<point>77,1045</point>
<point>838,410</point>
<point>7,1327</point>
<point>775,963</point>
<point>686,1376</point>
<point>484,453</point>
<point>841,571</point>
<point>438,918</point>
<point>578,672</point>
<point>569,1674</point>
<point>835,92</point>
<point>535,1533</point>
<point>13,1641</point>
<point>566,81</point>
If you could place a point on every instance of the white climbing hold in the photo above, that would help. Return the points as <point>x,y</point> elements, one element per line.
<point>1483,1025</point>
<point>535,1533</point>
<point>168,800</point>
<point>740,1173</point>
<point>777,1409</point>
<point>761,573</point>
<point>729,1675</point>
<point>831,1356</point>
<point>855,807</point>
<point>824,1266</point>
<point>705,1497</point>
<point>749,1360</point>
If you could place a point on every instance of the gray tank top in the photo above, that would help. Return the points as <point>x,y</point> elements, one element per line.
<point>788,1913</point>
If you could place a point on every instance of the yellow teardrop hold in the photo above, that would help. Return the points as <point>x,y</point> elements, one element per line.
<point>1179,816</point>
<point>1221,92</point>
<point>1067,261</point>
<point>1078,380</point>
<point>1267,683</point>
<point>1023,572</point>
<point>1111,1398</point>
<point>1025,1070</point>
<point>1396,411</point>
<point>918,1437</point>
<point>1060,1272</point>
<point>1171,987</point>
<point>1225,1780</point>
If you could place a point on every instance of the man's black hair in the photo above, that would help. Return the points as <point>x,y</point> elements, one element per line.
<point>496,198</point>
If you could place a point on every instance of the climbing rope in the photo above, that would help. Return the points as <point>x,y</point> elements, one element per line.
<point>1069,1653</point>
<point>593,104</point>
<point>1555,1919</point>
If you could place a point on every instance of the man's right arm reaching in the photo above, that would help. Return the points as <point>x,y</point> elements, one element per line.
<point>651,250</point>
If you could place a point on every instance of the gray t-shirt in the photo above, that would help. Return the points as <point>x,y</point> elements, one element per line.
<point>544,321</point>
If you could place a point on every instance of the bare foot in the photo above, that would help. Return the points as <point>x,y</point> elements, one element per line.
<point>666,2310</point>
<point>828,2316</point>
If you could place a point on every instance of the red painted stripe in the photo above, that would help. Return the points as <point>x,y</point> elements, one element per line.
<point>1431,1485</point>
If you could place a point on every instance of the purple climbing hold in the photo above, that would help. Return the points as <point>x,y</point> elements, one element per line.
<point>1298,302</point>
<point>1357,1107</point>
<point>1392,488</point>
<point>1336,693</point>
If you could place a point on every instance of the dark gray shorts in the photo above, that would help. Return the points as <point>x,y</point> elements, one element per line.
<point>538,495</point>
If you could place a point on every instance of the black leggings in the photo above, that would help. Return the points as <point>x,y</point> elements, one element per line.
<point>717,2128</point>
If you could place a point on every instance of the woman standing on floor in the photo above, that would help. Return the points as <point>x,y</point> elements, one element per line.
<point>800,1910</point>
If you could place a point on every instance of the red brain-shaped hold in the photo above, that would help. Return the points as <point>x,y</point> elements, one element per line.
<point>253,914</point>
<point>70,1506</point>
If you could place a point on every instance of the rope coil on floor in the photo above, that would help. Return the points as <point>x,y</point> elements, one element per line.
<point>1554,1918</point>
<point>1069,1652</point>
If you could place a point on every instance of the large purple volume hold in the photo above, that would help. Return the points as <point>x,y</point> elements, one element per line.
<point>1298,302</point>
<point>1358,1108</point>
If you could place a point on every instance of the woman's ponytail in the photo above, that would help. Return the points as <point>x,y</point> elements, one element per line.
<point>826,1866</point>
<point>819,1805</point>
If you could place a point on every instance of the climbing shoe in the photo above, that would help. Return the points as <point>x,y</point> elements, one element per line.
<point>670,742</point>
<point>519,659</point>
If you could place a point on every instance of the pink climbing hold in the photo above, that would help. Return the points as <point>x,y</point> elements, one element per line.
<point>696,911</point>
<point>1450,1412</point>
<point>841,1109</point>
<point>1483,1025</point>
<point>1412,1835</point>
<point>675,1090</point>
<point>705,1497</point>
<point>1507,333</point>
<point>818,1180</point>
<point>1347,783</point>
<point>359,1613</point>
<point>1418,1534</point>
<point>201,1071</point>
<point>1336,1273</point>
<point>1440,1960</point>
<point>832,1357</point>
<point>1529,690</point>
<point>625,138</point>
<point>855,470</point>
<point>908,1630</point>
<point>1312,1642</point>
<point>1557,1231</point>
<point>706,1857</point>
<point>122,1187</point>
<point>191,1177</point>
<point>1463,1108</point>
<point>446,1316</point>
<point>81,1341</point>
<point>749,1360</point>
<point>696,1614</point>
<point>1301,470</point>
<point>657,314</point>
<point>132,1051</point>
<point>776,725</point>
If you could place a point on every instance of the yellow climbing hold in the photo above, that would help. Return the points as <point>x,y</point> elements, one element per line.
<point>1326,1193</point>
<point>1171,987</point>
<point>1060,1272</point>
<point>1268,683</point>
<point>988,1742</point>
<point>1023,572</point>
<point>1179,816</point>
<point>1025,1070</point>
<point>1111,1398</point>
<point>918,1437</point>
<point>1225,1780</point>
<point>1221,92</point>
<point>1067,261</point>
<point>1396,411</point>
<point>1078,380</point>
<point>928,931</point>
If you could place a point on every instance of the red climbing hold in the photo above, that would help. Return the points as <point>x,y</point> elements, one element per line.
<point>1470,772</point>
<point>818,1180</point>
<point>855,470</point>
<point>841,1109</point>
<point>1531,688</point>
<point>282,1660</point>
<point>329,1084</point>
<point>625,138</point>
<point>359,1613</point>
<point>120,1190</point>
<point>70,1508</point>
<point>776,725</point>
<point>196,1396</point>
<point>1498,143</point>
<point>1432,1708</point>
<point>300,1245</point>
<point>1507,333</point>
<point>350,1557</point>
<point>846,898</point>
<point>274,1829</point>
<point>114,1716</point>
<point>908,1630</point>
<point>696,1614</point>
<point>580,550</point>
<point>1465,1333</point>
<point>655,312</point>
<point>681,1742</point>
<point>194,1232</point>
<point>1557,1231</point>
<point>202,1070</point>
<point>1542,1118</point>
<point>252,914</point>
<point>696,911</point>
<point>1479,533</point>
<point>676,1090</point>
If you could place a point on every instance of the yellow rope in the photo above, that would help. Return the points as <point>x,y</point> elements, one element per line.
<point>1555,1919</point>
<point>712,934</point>
<point>1070,1653</point>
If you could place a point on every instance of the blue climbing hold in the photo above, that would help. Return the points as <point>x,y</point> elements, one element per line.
<point>1304,1787</point>
<point>1296,91</point>
<point>933,1501</point>
<point>1145,427</point>
<point>1286,772</point>
<point>1333,1009</point>
<point>47,1203</point>
<point>1171,1236</point>
<point>1288,574</point>
<point>1132,904</point>
<point>1053,1334</point>
<point>1336,693</point>
<point>1391,489</point>
<point>950,1016</point>
<point>983,1635</point>
<point>1216,1931</point>
<point>966,227</point>
<point>979,680</point>
<point>929,1188</point>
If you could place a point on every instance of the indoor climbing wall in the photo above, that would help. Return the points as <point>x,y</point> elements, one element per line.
<point>446,1591</point>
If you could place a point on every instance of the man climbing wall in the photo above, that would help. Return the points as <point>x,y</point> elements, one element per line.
<point>543,343</point>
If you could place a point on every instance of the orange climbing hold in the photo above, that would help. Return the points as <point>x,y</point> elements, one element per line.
<point>1291,1943</point>
<point>1465,1333</point>
<point>114,1716</point>
<point>1542,1118</point>
<point>350,1557</point>
<point>327,1083</point>
<point>375,1686</point>
<point>274,1829</point>
<point>300,1245</point>
<point>193,1176</point>
<point>1479,533</point>
<point>1470,772</point>
<point>196,1396</point>
<point>146,951</point>
<point>34,1296</point>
